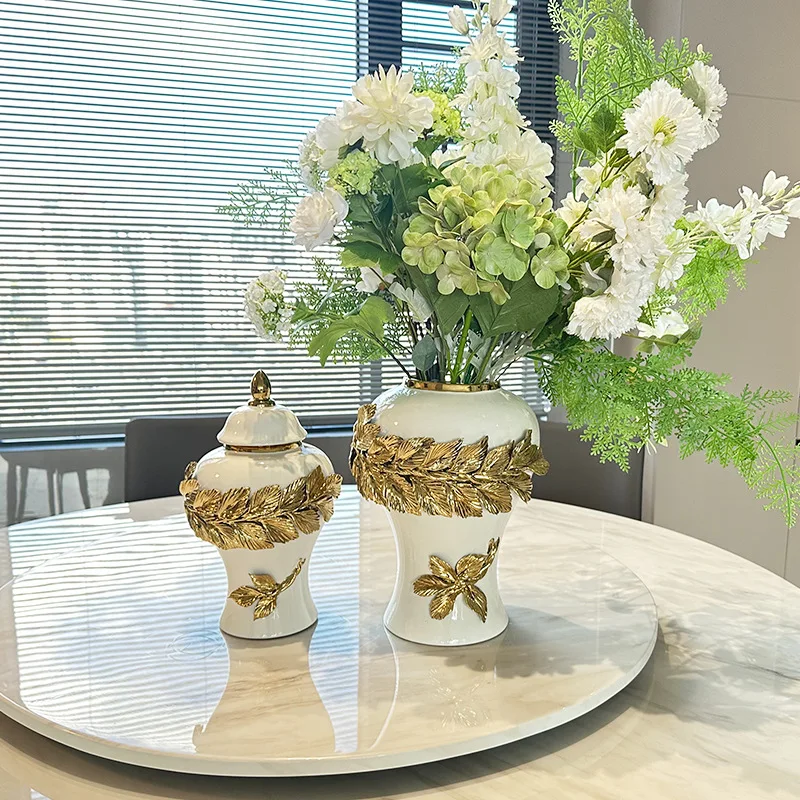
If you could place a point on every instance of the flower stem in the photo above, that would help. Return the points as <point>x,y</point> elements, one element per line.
<point>456,373</point>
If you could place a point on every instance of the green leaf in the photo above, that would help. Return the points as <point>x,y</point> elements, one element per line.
<point>429,146</point>
<point>605,125</point>
<point>528,308</point>
<point>424,354</point>
<point>411,183</point>
<point>360,209</point>
<point>364,232</point>
<point>367,254</point>
<point>368,322</point>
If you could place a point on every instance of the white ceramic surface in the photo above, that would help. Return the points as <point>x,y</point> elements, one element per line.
<point>713,716</point>
<point>295,610</point>
<point>445,415</point>
<point>114,649</point>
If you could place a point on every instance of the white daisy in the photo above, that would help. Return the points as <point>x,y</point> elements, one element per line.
<point>709,95</point>
<point>665,127</point>
<point>386,115</point>
<point>669,203</point>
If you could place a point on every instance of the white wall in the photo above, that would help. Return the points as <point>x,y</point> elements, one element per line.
<point>755,337</point>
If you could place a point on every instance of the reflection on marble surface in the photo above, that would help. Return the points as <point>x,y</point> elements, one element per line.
<point>114,648</point>
<point>714,714</point>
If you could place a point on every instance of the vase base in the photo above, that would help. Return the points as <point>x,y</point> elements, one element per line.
<point>267,636</point>
<point>437,641</point>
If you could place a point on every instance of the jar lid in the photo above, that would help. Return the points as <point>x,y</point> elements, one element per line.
<point>262,422</point>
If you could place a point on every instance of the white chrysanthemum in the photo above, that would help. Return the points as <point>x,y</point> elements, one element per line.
<point>601,317</point>
<point>317,216</point>
<point>670,323</point>
<point>523,152</point>
<point>621,209</point>
<point>386,115</point>
<point>673,258</point>
<point>266,307</point>
<point>665,127</point>
<point>709,95</point>
<point>372,279</point>
<point>417,304</point>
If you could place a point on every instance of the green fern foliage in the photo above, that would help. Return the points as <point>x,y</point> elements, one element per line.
<point>615,62</point>
<point>623,404</point>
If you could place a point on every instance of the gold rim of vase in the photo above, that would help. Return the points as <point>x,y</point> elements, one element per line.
<point>436,386</point>
<point>262,448</point>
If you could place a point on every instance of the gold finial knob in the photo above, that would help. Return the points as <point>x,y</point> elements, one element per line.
<point>261,389</point>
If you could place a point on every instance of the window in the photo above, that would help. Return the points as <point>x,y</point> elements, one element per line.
<point>126,123</point>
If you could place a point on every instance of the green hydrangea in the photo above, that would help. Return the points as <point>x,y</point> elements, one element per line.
<point>353,174</point>
<point>484,225</point>
<point>446,119</point>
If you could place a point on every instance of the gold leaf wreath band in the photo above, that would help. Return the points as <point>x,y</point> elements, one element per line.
<point>423,476</point>
<point>261,519</point>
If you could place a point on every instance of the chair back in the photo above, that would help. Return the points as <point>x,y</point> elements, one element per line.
<point>157,450</point>
<point>578,478</point>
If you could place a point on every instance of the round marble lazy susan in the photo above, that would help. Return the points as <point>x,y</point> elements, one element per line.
<point>115,650</point>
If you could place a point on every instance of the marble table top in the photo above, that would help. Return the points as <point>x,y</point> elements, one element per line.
<point>715,713</point>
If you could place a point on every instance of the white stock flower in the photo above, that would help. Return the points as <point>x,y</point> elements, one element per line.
<point>709,95</point>
<point>266,306</point>
<point>523,152</point>
<point>310,155</point>
<point>458,20</point>
<point>773,185</point>
<point>665,127</point>
<point>372,279</point>
<point>792,208</point>
<point>417,304</point>
<point>491,79</point>
<point>386,115</point>
<point>675,255</point>
<point>489,118</point>
<point>316,217</point>
<point>713,215</point>
<point>498,11</point>
<point>670,323</point>
<point>571,209</point>
<point>669,203</point>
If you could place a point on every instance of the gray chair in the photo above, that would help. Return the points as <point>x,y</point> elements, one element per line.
<point>157,450</point>
<point>578,478</point>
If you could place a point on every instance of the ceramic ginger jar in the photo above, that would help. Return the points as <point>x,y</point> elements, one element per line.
<point>262,498</point>
<point>448,461</point>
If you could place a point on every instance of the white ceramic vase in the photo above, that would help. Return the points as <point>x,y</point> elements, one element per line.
<point>262,446</point>
<point>444,412</point>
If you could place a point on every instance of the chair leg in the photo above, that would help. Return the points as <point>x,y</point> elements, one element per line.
<point>23,492</point>
<point>11,494</point>
<point>51,491</point>
<point>60,486</point>
<point>83,485</point>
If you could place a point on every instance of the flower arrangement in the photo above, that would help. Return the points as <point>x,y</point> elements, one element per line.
<point>455,261</point>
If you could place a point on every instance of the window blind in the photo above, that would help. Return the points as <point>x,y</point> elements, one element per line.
<point>126,123</point>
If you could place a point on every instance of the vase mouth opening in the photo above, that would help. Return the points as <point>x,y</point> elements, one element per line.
<point>438,386</point>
